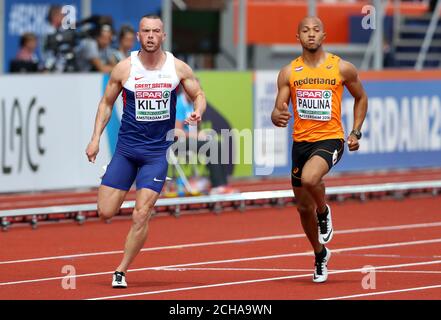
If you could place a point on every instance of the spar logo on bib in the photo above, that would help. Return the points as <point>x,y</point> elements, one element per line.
<point>152,102</point>
<point>314,104</point>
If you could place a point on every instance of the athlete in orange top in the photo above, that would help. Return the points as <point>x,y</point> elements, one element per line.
<point>314,84</point>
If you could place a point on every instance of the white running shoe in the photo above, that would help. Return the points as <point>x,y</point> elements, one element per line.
<point>321,268</point>
<point>119,280</point>
<point>325,230</point>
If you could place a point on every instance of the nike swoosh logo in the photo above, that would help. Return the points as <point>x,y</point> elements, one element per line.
<point>327,238</point>
<point>157,180</point>
<point>137,78</point>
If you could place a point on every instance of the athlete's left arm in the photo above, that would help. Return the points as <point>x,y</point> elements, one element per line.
<point>352,82</point>
<point>191,85</point>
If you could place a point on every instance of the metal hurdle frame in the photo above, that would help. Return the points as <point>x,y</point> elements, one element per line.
<point>236,200</point>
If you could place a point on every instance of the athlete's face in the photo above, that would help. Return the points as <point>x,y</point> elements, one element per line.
<point>151,34</point>
<point>311,34</point>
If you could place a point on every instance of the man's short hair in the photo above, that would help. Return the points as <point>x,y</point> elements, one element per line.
<point>151,16</point>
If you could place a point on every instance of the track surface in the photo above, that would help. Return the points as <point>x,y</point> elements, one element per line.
<point>258,254</point>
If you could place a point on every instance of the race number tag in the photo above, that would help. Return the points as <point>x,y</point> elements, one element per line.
<point>152,102</point>
<point>314,104</point>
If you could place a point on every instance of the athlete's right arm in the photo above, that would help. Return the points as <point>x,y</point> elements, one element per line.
<point>281,115</point>
<point>113,89</point>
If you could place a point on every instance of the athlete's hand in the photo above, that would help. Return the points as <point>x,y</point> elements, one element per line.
<point>281,118</point>
<point>92,150</point>
<point>193,119</point>
<point>353,143</point>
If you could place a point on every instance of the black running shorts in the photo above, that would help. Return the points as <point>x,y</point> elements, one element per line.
<point>331,150</point>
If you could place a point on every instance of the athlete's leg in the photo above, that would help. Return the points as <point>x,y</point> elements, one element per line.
<point>312,174</point>
<point>145,200</point>
<point>306,207</point>
<point>149,183</point>
<point>326,154</point>
<point>109,201</point>
<point>117,180</point>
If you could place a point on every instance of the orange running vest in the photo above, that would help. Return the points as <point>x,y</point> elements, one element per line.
<point>316,95</point>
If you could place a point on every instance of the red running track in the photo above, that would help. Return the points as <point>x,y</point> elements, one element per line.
<point>258,254</point>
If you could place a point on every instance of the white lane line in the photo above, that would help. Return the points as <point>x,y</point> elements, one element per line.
<point>298,254</point>
<point>236,269</point>
<point>235,241</point>
<point>293,270</point>
<point>383,255</point>
<point>395,256</point>
<point>384,292</point>
<point>258,280</point>
<point>410,271</point>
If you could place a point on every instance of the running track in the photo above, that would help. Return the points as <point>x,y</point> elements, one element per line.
<point>258,254</point>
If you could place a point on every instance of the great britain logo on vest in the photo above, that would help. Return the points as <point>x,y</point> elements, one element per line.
<point>152,101</point>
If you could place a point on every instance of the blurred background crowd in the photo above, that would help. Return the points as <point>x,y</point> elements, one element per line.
<point>94,46</point>
<point>203,28</point>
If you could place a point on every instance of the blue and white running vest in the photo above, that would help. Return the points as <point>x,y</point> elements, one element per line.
<point>149,98</point>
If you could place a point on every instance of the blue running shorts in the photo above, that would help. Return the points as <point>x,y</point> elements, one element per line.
<point>150,171</point>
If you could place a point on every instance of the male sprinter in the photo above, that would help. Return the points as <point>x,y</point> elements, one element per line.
<point>149,80</point>
<point>314,83</point>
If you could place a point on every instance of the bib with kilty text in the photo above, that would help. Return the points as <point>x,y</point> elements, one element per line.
<point>152,101</point>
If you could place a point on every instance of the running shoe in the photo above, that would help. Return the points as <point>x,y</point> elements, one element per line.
<point>119,280</point>
<point>325,230</point>
<point>321,266</point>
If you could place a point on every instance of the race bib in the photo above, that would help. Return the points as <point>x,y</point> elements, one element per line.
<point>152,101</point>
<point>314,104</point>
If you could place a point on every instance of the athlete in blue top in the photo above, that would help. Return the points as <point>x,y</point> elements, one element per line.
<point>148,80</point>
